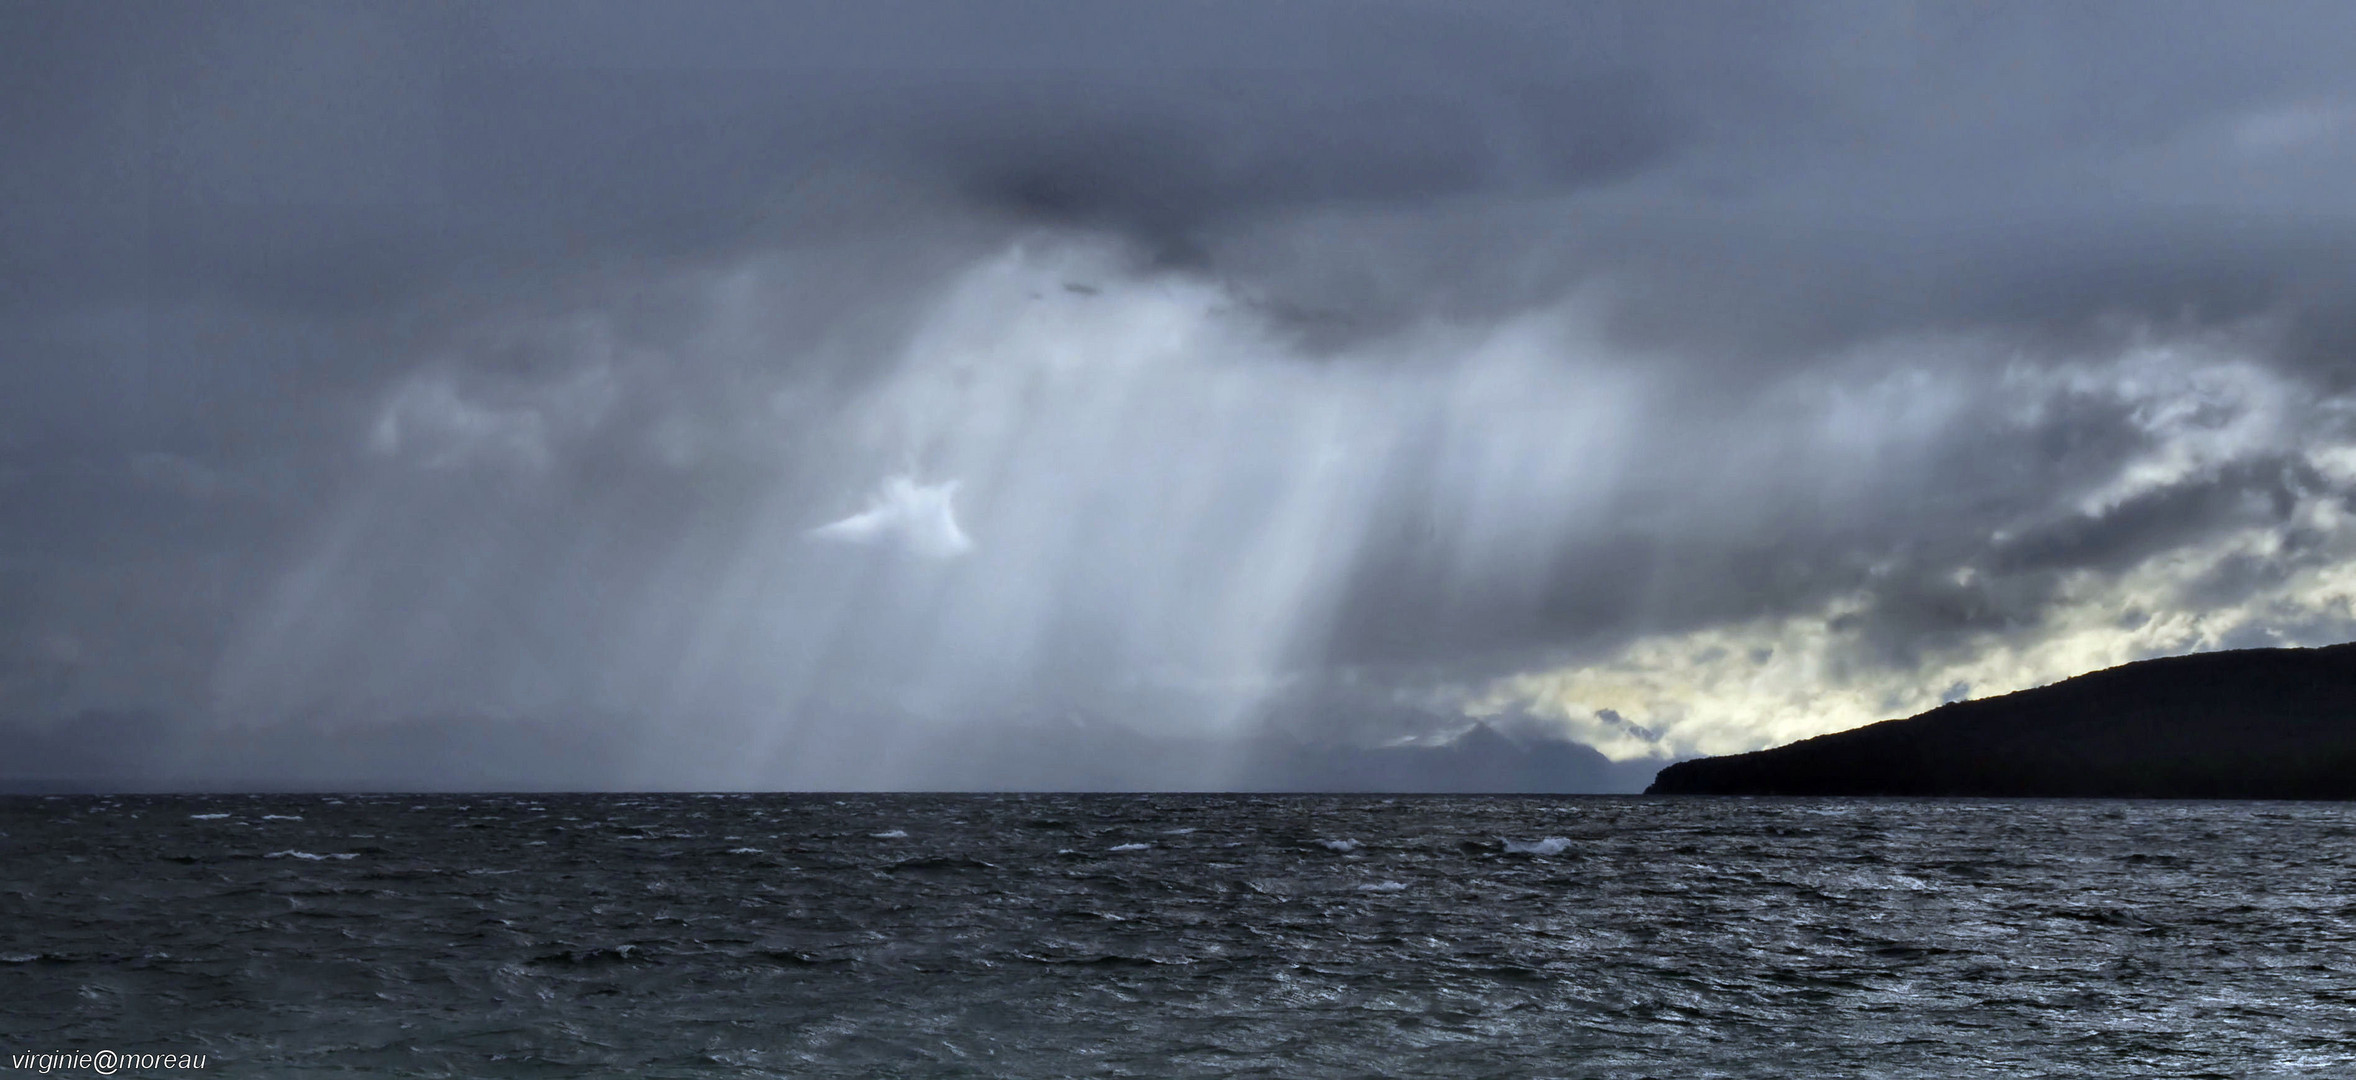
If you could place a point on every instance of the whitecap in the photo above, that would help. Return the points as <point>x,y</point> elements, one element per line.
<point>1344,846</point>
<point>282,817</point>
<point>206,817</point>
<point>1384,886</point>
<point>895,834</point>
<point>310,856</point>
<point>1129,847</point>
<point>744,851</point>
<point>1552,845</point>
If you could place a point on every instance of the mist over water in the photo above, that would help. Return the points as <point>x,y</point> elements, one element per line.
<point>847,516</point>
<point>1073,486</point>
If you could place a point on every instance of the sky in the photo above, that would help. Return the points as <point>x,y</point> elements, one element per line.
<point>717,394</point>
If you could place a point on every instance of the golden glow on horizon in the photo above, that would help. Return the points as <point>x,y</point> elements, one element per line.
<point>1764,682</point>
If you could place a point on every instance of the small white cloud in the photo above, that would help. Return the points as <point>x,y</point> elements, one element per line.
<point>919,518</point>
<point>514,395</point>
<point>433,423</point>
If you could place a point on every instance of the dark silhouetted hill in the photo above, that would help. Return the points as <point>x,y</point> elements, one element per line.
<point>2253,723</point>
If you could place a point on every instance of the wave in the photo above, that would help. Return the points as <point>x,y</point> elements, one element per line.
<point>1552,845</point>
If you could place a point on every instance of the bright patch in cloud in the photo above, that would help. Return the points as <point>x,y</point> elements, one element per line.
<point>2272,562</point>
<point>918,518</point>
<point>1774,680</point>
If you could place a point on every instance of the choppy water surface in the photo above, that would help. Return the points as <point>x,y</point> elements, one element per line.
<point>1182,935</point>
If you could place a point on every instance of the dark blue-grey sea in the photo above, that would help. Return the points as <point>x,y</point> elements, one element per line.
<point>1181,936</point>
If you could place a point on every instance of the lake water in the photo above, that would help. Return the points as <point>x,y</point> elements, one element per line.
<point>1160,935</point>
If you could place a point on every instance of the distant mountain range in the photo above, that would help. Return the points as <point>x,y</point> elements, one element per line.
<point>2251,723</point>
<point>142,751</point>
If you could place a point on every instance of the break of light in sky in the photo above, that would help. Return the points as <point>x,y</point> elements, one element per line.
<point>729,394</point>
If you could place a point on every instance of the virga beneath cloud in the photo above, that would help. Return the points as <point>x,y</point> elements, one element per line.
<point>776,389</point>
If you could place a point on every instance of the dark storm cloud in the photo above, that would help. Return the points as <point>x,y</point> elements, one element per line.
<point>338,156</point>
<point>272,271</point>
<point>2262,492</point>
<point>1801,171</point>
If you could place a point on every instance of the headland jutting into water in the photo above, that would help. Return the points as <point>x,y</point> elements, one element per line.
<point>2244,724</point>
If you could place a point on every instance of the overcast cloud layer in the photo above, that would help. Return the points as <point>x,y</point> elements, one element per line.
<point>828,395</point>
